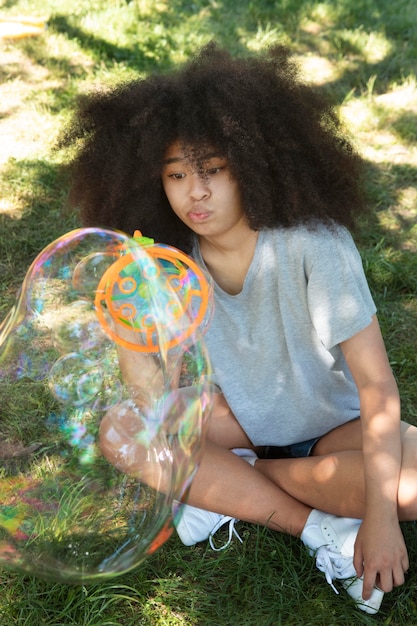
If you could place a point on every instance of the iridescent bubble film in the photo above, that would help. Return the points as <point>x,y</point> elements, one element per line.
<point>105,391</point>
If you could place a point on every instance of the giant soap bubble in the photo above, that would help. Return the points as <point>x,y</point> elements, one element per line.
<point>104,396</point>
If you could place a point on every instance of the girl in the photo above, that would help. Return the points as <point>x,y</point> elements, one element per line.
<point>239,163</point>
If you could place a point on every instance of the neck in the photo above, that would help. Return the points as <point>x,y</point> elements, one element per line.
<point>228,258</point>
<point>239,238</point>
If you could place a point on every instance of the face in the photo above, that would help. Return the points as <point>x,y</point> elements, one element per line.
<point>206,199</point>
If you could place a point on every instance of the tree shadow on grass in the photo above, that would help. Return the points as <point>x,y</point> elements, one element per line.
<point>135,55</point>
<point>43,218</point>
<point>154,42</point>
<point>226,22</point>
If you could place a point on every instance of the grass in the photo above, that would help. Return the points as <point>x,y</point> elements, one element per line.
<point>363,53</point>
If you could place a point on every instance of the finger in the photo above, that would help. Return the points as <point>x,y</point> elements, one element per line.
<point>370,581</point>
<point>399,574</point>
<point>358,562</point>
<point>386,580</point>
<point>400,570</point>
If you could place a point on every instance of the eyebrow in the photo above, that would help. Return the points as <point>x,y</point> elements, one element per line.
<point>206,157</point>
<point>172,160</point>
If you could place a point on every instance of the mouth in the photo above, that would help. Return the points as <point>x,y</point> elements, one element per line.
<point>198,216</point>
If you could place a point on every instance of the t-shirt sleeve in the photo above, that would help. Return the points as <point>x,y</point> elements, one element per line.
<point>339,299</point>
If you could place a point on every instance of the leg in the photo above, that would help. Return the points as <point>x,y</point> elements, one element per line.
<point>231,487</point>
<point>336,467</point>
<point>407,491</point>
<point>278,498</point>
<point>282,492</point>
<point>228,485</point>
<point>350,435</point>
<point>224,429</point>
<point>224,483</point>
<point>318,481</point>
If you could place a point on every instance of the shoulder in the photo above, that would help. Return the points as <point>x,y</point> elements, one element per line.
<point>315,237</point>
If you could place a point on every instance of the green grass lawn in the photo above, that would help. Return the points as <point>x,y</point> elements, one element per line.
<point>362,52</point>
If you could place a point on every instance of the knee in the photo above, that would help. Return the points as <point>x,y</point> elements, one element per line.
<point>223,428</point>
<point>407,491</point>
<point>407,497</point>
<point>326,468</point>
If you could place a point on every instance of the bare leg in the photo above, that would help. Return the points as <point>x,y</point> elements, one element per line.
<point>283,493</point>
<point>349,437</point>
<point>333,483</point>
<point>276,493</point>
<point>271,493</point>
<point>226,484</point>
<point>224,429</point>
<point>332,479</point>
<point>279,493</point>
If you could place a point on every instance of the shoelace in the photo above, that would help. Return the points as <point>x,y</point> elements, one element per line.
<point>232,531</point>
<point>333,565</point>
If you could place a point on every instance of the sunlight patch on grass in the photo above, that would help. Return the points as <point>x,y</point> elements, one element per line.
<point>319,70</point>
<point>401,220</point>
<point>25,136</point>
<point>324,13</point>
<point>264,37</point>
<point>385,148</point>
<point>67,51</point>
<point>373,47</point>
<point>385,125</point>
<point>11,207</point>
<point>148,8</point>
<point>408,199</point>
<point>384,128</point>
<point>403,95</point>
<point>27,127</point>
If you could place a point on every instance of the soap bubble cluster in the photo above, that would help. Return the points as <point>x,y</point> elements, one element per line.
<point>105,391</point>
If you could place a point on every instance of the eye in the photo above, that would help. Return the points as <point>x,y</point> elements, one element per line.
<point>211,171</point>
<point>176,176</point>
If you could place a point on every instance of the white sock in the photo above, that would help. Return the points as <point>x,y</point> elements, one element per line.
<point>313,519</point>
<point>247,454</point>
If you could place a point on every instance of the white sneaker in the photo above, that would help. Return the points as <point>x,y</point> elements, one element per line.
<point>197,524</point>
<point>354,587</point>
<point>331,540</point>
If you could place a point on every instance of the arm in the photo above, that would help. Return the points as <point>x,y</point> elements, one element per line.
<point>380,552</point>
<point>146,376</point>
<point>128,429</point>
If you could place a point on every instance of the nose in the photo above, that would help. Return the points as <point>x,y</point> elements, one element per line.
<point>199,187</point>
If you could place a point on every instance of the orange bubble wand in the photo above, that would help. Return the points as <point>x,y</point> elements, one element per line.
<point>125,288</point>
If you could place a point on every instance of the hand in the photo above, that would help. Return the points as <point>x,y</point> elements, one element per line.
<point>380,555</point>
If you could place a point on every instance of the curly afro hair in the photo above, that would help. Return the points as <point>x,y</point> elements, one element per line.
<point>283,140</point>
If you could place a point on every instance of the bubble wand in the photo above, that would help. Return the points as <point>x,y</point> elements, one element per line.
<point>124,290</point>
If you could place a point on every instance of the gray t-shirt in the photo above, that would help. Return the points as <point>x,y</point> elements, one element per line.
<point>274,347</point>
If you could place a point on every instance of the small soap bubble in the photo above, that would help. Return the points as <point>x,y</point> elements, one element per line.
<point>79,329</point>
